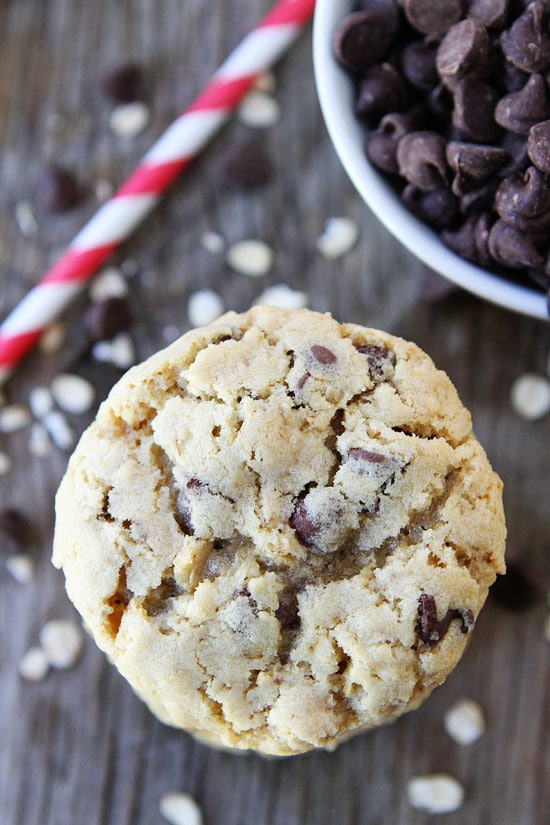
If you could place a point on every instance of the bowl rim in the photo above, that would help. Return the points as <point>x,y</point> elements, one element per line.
<point>335,95</point>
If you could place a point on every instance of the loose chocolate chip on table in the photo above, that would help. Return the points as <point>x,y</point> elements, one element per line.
<point>430,629</point>
<point>465,51</point>
<point>105,319</point>
<point>421,159</point>
<point>474,111</point>
<point>362,40</point>
<point>15,526</point>
<point>527,42</point>
<point>246,166</point>
<point>513,248</point>
<point>538,146</point>
<point>382,90</point>
<point>57,190</point>
<point>515,590</point>
<point>123,83</point>
<point>438,208</point>
<point>490,13</point>
<point>520,110</point>
<point>523,201</point>
<point>418,64</point>
<point>429,17</point>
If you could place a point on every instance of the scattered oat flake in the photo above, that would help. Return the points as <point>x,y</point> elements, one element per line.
<point>109,283</point>
<point>120,351</point>
<point>52,339</point>
<point>59,429</point>
<point>250,257</point>
<point>61,641</point>
<point>259,110</point>
<point>40,401</point>
<point>5,464</point>
<point>26,219</point>
<point>213,242</point>
<point>339,237</point>
<point>203,307</point>
<point>21,567</point>
<point>281,295</point>
<point>72,393</point>
<point>435,793</point>
<point>130,119</point>
<point>530,396</point>
<point>14,417</point>
<point>39,444</point>
<point>180,809</point>
<point>464,722</point>
<point>33,665</point>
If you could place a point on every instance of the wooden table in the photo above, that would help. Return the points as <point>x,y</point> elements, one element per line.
<point>78,748</point>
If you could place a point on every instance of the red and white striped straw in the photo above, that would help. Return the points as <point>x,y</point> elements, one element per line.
<point>174,150</point>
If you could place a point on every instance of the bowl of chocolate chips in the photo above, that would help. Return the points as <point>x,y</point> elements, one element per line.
<point>440,113</point>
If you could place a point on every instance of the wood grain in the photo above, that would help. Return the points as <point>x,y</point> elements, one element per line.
<point>79,748</point>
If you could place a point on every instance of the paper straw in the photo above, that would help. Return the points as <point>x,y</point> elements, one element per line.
<point>173,151</point>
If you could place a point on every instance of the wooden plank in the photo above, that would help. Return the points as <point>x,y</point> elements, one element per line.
<point>80,747</point>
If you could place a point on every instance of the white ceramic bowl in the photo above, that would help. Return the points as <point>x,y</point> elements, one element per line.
<point>335,91</point>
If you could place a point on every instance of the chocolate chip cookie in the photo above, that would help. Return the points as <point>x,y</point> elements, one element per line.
<point>281,530</point>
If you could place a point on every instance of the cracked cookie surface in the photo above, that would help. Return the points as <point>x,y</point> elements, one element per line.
<point>281,530</point>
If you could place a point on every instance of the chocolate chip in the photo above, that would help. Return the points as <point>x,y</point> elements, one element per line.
<point>381,360</point>
<point>246,166</point>
<point>490,13</point>
<point>155,603</point>
<point>300,384</point>
<point>323,355</point>
<point>105,319</point>
<point>462,240</point>
<point>523,201</point>
<point>16,527</point>
<point>437,208</point>
<point>430,17</point>
<point>362,40</point>
<point>473,163</point>
<point>527,42</point>
<point>470,239</point>
<point>538,146</point>
<point>480,198</point>
<point>418,64</point>
<point>513,248</point>
<point>520,110</point>
<point>123,83</point>
<point>386,8</point>
<point>421,159</point>
<point>516,590</point>
<point>305,528</point>
<point>367,456</point>
<point>430,629</point>
<point>57,190</point>
<point>287,613</point>
<point>381,91</point>
<point>516,147</point>
<point>465,51</point>
<point>474,111</point>
<point>381,144</point>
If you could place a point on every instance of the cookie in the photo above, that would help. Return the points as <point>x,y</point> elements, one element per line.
<point>281,530</point>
